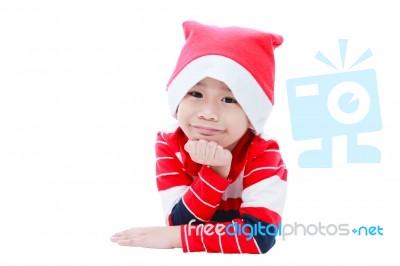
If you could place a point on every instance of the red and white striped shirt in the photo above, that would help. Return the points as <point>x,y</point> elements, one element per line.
<point>201,201</point>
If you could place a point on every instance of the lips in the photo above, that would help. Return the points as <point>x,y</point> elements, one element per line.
<point>206,130</point>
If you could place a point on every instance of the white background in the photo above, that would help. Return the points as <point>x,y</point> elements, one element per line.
<point>82,95</point>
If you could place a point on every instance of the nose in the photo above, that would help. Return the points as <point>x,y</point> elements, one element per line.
<point>208,112</point>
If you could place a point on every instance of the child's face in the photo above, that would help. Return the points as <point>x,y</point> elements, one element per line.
<point>209,111</point>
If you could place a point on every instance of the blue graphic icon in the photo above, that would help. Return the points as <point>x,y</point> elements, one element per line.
<point>344,103</point>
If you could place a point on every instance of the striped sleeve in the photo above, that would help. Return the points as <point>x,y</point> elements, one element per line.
<point>263,198</point>
<point>184,197</point>
<point>172,182</point>
<point>224,237</point>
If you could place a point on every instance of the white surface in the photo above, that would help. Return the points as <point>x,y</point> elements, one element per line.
<point>82,96</point>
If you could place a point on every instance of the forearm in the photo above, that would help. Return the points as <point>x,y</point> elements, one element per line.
<point>150,237</point>
<point>237,236</point>
<point>222,171</point>
<point>201,200</point>
<point>174,235</point>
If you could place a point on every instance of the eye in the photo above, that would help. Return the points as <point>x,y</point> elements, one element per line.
<point>195,94</point>
<point>228,100</point>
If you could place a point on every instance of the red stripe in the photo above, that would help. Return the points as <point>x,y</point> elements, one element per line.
<point>170,220</point>
<point>198,208</point>
<point>208,232</point>
<point>170,181</point>
<point>183,238</point>
<point>230,204</point>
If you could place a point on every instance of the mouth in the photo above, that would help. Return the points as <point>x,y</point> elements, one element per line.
<point>206,130</point>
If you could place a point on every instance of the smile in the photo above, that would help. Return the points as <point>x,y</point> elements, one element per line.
<point>204,130</point>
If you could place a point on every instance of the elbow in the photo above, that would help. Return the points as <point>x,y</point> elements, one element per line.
<point>265,243</point>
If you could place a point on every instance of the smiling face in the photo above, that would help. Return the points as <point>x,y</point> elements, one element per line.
<point>210,111</point>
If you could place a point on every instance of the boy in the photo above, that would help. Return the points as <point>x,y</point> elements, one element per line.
<point>221,179</point>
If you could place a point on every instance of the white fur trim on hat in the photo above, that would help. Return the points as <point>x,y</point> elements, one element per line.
<point>244,87</point>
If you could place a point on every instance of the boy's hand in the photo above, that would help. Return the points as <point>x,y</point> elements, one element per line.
<point>150,237</point>
<point>211,154</point>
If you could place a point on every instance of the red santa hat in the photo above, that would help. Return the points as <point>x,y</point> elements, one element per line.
<point>240,57</point>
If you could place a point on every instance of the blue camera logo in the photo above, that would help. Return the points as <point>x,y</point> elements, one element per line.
<point>325,106</point>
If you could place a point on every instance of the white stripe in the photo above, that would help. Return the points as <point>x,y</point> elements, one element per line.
<point>189,210</point>
<point>271,151</point>
<point>170,197</point>
<point>235,189</point>
<point>211,186</point>
<point>202,238</point>
<point>170,173</point>
<point>206,203</point>
<point>161,142</point>
<point>237,242</point>
<point>162,158</point>
<point>265,168</point>
<point>186,238</point>
<point>269,193</point>
<point>220,243</point>
<point>179,156</point>
<point>227,70</point>
<point>255,243</point>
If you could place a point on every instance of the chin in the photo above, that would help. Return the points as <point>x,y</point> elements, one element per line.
<point>216,138</point>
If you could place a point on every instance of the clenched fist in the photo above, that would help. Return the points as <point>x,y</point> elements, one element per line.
<point>211,154</point>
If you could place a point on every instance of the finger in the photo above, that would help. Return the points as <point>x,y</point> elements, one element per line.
<point>190,147</point>
<point>227,156</point>
<point>120,234</point>
<point>132,231</point>
<point>187,146</point>
<point>132,242</point>
<point>138,240</point>
<point>219,151</point>
<point>223,156</point>
<point>201,148</point>
<point>211,150</point>
<point>126,237</point>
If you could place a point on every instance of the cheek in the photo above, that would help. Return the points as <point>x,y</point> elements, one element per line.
<point>182,111</point>
<point>239,118</point>
<point>179,113</point>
